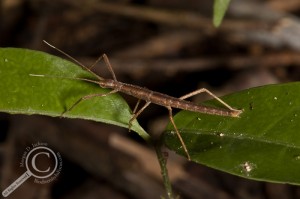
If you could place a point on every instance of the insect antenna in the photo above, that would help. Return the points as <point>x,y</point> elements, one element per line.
<point>73,59</point>
<point>60,77</point>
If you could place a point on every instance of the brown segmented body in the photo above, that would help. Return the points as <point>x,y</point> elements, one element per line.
<point>149,96</point>
<point>163,99</point>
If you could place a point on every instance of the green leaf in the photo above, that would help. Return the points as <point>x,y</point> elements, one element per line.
<point>22,93</point>
<point>263,144</point>
<point>220,7</point>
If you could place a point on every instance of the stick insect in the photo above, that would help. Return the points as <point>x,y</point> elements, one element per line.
<point>148,96</point>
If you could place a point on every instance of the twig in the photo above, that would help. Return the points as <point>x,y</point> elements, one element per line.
<point>164,171</point>
<point>169,67</point>
<point>177,18</point>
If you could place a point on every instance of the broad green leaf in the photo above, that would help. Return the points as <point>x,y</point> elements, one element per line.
<point>21,93</point>
<point>263,144</point>
<point>220,7</point>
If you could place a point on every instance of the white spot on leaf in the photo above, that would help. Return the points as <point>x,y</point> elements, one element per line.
<point>221,134</point>
<point>247,167</point>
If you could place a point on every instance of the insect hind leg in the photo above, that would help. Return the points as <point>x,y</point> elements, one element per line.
<point>177,132</point>
<point>204,90</point>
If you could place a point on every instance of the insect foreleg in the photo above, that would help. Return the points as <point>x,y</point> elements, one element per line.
<point>86,98</point>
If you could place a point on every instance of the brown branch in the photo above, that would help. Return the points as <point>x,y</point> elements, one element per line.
<point>143,67</point>
<point>177,18</point>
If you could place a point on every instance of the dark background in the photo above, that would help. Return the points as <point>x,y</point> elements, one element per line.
<point>168,46</point>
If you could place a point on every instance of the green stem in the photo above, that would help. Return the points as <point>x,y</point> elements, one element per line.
<point>162,163</point>
<point>164,171</point>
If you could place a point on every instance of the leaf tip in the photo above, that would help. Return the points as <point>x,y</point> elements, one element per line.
<point>220,7</point>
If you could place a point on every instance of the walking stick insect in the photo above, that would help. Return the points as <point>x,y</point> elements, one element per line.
<point>148,96</point>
